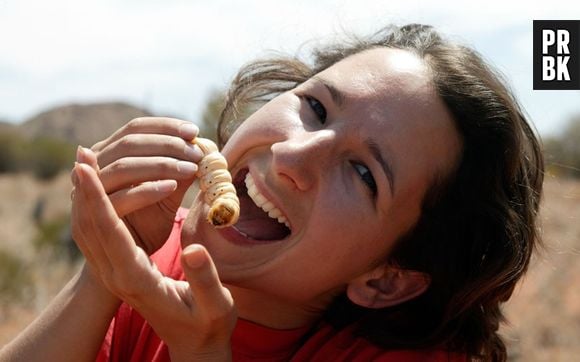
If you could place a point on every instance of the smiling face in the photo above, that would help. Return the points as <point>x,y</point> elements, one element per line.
<point>344,160</point>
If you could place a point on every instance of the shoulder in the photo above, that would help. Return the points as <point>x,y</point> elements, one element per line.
<point>328,344</point>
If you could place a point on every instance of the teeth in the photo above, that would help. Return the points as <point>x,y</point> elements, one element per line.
<point>267,206</point>
<point>263,203</point>
<point>274,213</point>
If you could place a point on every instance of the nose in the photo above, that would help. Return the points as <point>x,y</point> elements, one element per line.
<point>302,158</point>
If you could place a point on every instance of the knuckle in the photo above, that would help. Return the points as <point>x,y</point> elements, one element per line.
<point>126,142</point>
<point>135,124</point>
<point>218,323</point>
<point>118,166</point>
<point>222,314</point>
<point>98,146</point>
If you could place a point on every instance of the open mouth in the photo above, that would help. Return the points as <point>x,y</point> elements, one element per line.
<point>259,219</point>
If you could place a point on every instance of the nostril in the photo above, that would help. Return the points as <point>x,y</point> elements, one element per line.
<point>295,162</point>
<point>289,180</point>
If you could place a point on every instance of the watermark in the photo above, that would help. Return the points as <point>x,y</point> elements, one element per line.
<point>557,54</point>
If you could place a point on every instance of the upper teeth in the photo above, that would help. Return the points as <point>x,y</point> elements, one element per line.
<point>264,203</point>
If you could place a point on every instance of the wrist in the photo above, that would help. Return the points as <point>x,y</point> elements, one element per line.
<point>90,282</point>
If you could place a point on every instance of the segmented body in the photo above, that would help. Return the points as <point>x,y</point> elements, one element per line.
<point>215,182</point>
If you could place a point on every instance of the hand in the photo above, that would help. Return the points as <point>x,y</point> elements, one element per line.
<point>146,167</point>
<point>195,317</point>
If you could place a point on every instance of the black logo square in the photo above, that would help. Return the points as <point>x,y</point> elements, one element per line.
<point>557,54</point>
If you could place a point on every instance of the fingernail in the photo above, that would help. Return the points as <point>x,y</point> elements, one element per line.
<point>80,153</point>
<point>165,186</point>
<point>186,168</point>
<point>188,131</point>
<point>86,151</point>
<point>193,152</point>
<point>194,256</point>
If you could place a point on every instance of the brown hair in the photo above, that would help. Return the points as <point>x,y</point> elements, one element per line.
<point>478,227</point>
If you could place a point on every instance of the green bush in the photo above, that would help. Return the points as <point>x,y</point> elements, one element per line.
<point>51,233</point>
<point>12,148</point>
<point>14,278</point>
<point>44,157</point>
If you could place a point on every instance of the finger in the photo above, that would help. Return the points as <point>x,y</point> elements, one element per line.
<point>125,268</point>
<point>85,155</point>
<point>149,145</point>
<point>211,298</point>
<point>128,200</point>
<point>97,214</point>
<point>81,227</point>
<point>152,125</point>
<point>135,170</point>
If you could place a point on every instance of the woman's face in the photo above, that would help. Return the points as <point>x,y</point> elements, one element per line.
<point>344,159</point>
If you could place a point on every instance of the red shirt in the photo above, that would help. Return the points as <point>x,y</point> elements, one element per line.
<point>131,338</point>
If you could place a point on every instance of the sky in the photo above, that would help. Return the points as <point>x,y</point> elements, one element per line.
<point>168,56</point>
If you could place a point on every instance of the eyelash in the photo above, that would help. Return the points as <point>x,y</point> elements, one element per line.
<point>317,107</point>
<point>367,177</point>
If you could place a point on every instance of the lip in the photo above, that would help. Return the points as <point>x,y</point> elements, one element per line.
<point>234,236</point>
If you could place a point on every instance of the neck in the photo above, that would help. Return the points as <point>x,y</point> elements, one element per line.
<point>270,311</point>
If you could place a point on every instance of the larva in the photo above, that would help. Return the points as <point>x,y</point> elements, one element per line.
<point>215,182</point>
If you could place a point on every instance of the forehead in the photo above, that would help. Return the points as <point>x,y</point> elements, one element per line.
<point>381,72</point>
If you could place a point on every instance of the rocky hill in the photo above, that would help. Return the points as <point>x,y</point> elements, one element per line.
<point>6,127</point>
<point>82,124</point>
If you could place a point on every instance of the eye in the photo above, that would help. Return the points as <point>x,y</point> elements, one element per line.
<point>317,108</point>
<point>366,176</point>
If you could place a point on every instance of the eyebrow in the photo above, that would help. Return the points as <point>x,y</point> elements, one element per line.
<point>337,96</point>
<point>384,162</point>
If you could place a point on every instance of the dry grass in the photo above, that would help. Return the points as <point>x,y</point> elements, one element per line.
<point>44,273</point>
<point>544,311</point>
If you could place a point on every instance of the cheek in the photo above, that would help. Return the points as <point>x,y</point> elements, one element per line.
<point>345,234</point>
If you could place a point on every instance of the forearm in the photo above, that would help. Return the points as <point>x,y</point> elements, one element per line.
<point>71,328</point>
<point>215,354</point>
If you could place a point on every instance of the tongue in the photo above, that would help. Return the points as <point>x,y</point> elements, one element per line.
<point>256,224</point>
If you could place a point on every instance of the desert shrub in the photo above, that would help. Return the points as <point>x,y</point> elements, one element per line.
<point>47,157</point>
<point>12,148</point>
<point>563,150</point>
<point>44,157</point>
<point>14,278</point>
<point>54,236</point>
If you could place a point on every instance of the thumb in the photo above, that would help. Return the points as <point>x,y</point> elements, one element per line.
<point>210,296</point>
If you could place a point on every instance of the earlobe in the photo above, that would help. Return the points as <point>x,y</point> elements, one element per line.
<point>387,286</point>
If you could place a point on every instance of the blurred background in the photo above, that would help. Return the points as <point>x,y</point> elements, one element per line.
<point>71,72</point>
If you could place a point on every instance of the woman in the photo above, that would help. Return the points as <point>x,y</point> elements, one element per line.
<point>403,183</point>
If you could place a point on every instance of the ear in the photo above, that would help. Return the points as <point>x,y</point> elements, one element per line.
<point>387,286</point>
